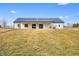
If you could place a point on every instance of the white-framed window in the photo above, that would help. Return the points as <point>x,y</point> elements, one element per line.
<point>34,26</point>
<point>25,25</point>
<point>40,26</point>
<point>59,25</point>
<point>19,25</point>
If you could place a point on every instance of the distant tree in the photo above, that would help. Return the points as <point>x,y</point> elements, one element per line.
<point>4,23</point>
<point>76,25</point>
<point>69,25</point>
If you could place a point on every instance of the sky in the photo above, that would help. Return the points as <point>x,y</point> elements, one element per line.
<point>69,13</point>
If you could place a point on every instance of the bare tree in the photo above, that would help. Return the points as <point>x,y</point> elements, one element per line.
<point>69,25</point>
<point>4,23</point>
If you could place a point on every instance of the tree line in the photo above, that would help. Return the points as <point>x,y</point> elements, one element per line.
<point>76,25</point>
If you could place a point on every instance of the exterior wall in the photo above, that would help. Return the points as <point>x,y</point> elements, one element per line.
<point>30,25</point>
<point>57,25</point>
<point>46,25</point>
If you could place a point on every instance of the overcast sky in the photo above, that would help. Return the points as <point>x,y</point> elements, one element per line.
<point>69,13</point>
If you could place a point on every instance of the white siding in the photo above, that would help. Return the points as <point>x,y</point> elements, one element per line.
<point>46,25</point>
<point>57,25</point>
<point>15,25</point>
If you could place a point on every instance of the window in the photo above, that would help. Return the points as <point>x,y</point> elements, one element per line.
<point>59,25</point>
<point>54,27</point>
<point>40,26</point>
<point>50,27</point>
<point>25,25</point>
<point>19,26</point>
<point>34,26</point>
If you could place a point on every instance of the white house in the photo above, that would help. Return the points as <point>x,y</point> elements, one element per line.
<point>38,23</point>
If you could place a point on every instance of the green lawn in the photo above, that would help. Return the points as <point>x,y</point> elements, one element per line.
<point>40,42</point>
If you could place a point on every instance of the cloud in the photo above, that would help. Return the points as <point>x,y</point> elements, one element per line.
<point>78,13</point>
<point>12,11</point>
<point>61,17</point>
<point>63,3</point>
<point>64,17</point>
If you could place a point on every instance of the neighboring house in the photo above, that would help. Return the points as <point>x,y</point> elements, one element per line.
<point>1,24</point>
<point>38,23</point>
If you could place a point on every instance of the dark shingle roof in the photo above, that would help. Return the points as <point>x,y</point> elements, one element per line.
<point>53,20</point>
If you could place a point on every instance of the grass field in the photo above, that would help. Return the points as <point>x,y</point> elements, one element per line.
<point>40,42</point>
